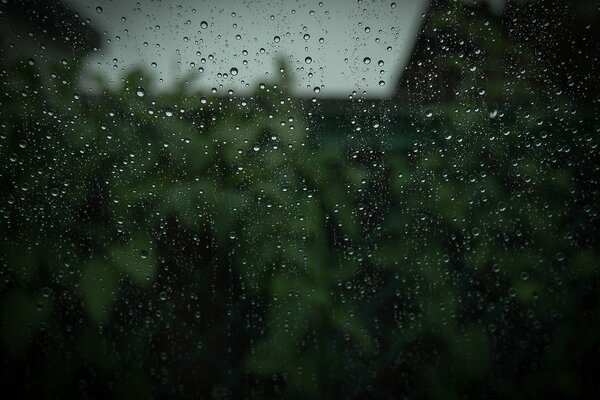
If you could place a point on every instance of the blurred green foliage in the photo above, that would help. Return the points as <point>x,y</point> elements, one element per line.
<point>182,244</point>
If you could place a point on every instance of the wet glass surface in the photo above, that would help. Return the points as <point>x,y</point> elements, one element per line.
<point>336,199</point>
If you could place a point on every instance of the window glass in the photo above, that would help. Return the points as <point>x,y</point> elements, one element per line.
<point>285,199</point>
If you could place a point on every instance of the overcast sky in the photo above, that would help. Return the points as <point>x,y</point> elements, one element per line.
<point>325,42</point>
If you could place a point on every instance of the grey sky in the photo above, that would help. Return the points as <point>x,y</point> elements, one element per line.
<point>171,34</point>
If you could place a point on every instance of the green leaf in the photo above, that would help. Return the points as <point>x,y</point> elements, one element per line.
<point>137,259</point>
<point>99,284</point>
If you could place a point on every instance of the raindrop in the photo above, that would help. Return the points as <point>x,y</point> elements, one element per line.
<point>367,60</point>
<point>204,24</point>
<point>99,10</point>
<point>233,71</point>
<point>140,92</point>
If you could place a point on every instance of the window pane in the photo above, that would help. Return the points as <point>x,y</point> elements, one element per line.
<point>321,199</point>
